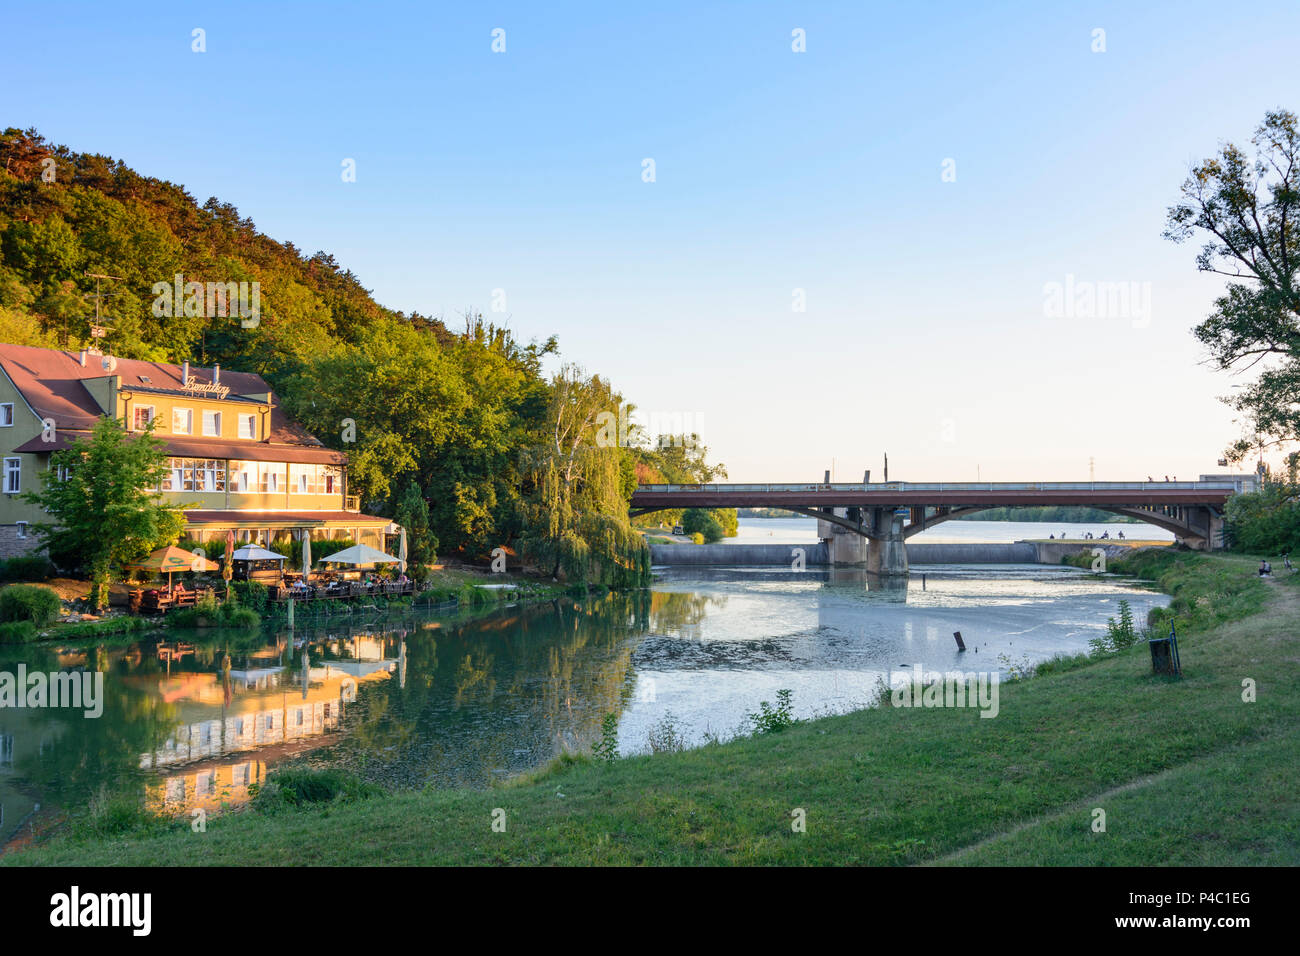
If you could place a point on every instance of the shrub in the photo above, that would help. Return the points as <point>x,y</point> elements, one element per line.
<point>666,737</point>
<point>607,747</point>
<point>209,612</point>
<point>769,719</point>
<point>31,567</point>
<point>29,602</point>
<point>213,550</point>
<point>17,632</point>
<point>295,787</point>
<point>253,594</point>
<point>111,625</point>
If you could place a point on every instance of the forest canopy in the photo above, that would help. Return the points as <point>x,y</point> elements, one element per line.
<point>464,419</point>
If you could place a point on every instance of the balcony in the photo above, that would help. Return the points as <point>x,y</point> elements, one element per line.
<point>352,503</point>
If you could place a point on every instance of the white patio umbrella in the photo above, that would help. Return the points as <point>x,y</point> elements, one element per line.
<point>253,552</point>
<point>359,554</point>
<point>401,552</point>
<point>306,554</point>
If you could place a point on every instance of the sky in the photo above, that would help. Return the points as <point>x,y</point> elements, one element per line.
<point>813,258</point>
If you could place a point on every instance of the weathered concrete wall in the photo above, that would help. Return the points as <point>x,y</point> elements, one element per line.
<point>774,555</point>
<point>771,555</point>
<point>1020,552</point>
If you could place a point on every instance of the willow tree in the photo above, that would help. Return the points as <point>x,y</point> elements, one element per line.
<point>576,523</point>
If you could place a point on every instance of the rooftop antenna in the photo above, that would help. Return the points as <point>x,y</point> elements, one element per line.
<point>97,330</point>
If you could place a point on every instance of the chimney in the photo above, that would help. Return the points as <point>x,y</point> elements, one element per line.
<point>216,375</point>
<point>185,372</point>
<point>83,358</point>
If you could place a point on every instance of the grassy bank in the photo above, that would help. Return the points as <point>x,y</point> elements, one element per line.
<point>1185,770</point>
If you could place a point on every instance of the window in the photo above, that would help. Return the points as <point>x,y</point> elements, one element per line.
<point>183,421</point>
<point>248,426</point>
<point>243,476</point>
<point>270,479</point>
<point>331,480</point>
<point>22,529</point>
<point>302,479</point>
<point>194,474</point>
<point>65,472</point>
<point>7,414</point>
<point>212,424</point>
<point>210,474</point>
<point>6,750</point>
<point>13,476</point>
<point>143,416</point>
<point>172,477</point>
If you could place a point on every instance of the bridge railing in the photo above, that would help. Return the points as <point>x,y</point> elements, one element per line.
<point>1237,486</point>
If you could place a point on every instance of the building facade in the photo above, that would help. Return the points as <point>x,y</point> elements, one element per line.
<point>235,460</point>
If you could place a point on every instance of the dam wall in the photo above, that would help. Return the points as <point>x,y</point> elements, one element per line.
<point>773,555</point>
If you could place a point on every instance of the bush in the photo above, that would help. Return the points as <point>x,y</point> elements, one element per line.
<point>213,550</point>
<point>295,787</point>
<point>111,625</point>
<point>209,612</point>
<point>29,602</point>
<point>252,594</point>
<point>31,567</point>
<point>769,719</point>
<point>17,632</point>
<point>607,747</point>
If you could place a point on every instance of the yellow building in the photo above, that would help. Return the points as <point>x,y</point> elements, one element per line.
<point>236,460</point>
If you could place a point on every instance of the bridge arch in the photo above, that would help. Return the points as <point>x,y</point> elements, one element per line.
<point>1175,525</point>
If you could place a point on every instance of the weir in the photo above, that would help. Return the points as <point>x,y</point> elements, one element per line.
<point>817,554</point>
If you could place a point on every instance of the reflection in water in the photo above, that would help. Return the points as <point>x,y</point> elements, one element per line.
<point>195,722</point>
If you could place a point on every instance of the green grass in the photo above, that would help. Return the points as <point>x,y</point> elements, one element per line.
<point>1186,771</point>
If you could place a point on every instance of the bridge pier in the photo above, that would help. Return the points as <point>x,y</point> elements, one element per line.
<point>879,547</point>
<point>886,548</point>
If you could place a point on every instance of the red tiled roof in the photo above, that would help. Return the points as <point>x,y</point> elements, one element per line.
<point>201,448</point>
<point>51,381</point>
<point>246,517</point>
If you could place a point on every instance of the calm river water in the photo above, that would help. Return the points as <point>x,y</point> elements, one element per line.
<point>195,720</point>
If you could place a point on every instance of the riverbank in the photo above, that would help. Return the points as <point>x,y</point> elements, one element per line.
<point>1186,771</point>
<point>450,589</point>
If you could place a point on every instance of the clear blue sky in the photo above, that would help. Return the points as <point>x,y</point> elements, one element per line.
<point>925,333</point>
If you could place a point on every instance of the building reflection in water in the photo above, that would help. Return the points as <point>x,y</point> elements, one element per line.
<point>269,710</point>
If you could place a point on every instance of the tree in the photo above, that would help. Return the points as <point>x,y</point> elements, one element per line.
<point>704,522</point>
<point>1250,213</point>
<point>576,512</point>
<point>412,513</point>
<point>105,510</point>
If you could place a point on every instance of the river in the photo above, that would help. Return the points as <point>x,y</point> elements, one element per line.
<point>804,531</point>
<point>193,720</point>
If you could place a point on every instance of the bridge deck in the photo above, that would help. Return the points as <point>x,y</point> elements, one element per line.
<point>1133,494</point>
